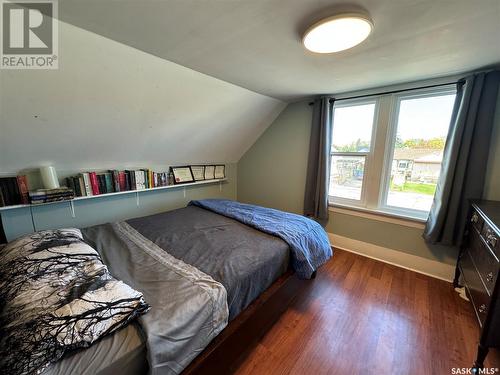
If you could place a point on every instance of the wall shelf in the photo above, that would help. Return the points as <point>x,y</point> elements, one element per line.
<point>137,192</point>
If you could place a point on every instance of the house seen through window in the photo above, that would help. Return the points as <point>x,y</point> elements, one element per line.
<point>422,127</point>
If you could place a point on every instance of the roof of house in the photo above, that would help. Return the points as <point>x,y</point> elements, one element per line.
<point>419,155</point>
<point>435,157</point>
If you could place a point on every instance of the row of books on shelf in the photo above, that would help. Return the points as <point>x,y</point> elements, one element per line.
<point>94,183</point>
<point>14,190</point>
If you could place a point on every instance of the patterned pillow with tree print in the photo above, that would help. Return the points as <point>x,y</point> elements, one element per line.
<point>57,295</point>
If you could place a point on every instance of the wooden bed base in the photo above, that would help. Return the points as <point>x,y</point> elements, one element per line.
<point>229,348</point>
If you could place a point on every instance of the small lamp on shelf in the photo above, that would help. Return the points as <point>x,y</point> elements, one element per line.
<point>49,177</point>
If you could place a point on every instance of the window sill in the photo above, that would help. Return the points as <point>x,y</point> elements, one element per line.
<point>388,217</point>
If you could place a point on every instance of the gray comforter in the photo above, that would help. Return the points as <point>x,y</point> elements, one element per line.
<point>246,261</point>
<point>188,307</point>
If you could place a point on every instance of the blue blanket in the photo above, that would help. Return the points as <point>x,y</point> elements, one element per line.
<point>307,239</point>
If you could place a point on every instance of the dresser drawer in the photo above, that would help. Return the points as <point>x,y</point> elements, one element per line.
<point>475,287</point>
<point>486,263</point>
<point>491,238</point>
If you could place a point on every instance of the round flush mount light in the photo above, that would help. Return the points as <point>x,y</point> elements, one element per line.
<point>337,33</point>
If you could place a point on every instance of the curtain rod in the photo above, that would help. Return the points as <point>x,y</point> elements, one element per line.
<point>460,81</point>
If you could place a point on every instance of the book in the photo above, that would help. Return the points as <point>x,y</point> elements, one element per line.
<point>82,186</point>
<point>87,184</point>
<point>5,191</point>
<point>128,181</point>
<point>94,183</point>
<point>49,192</point>
<point>121,181</point>
<point>108,182</point>
<point>10,191</point>
<point>22,184</point>
<point>50,195</point>
<point>52,199</point>
<point>139,180</point>
<point>102,183</point>
<point>116,180</point>
<point>69,183</point>
<point>15,190</point>
<point>145,177</point>
<point>76,184</point>
<point>38,198</point>
<point>132,180</point>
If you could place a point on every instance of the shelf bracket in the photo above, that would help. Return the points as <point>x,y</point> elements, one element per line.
<point>32,218</point>
<point>137,198</point>
<point>72,208</point>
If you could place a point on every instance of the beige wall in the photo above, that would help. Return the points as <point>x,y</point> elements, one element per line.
<point>274,168</point>
<point>492,186</point>
<point>272,173</point>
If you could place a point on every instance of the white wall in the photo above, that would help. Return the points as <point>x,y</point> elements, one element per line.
<point>111,105</point>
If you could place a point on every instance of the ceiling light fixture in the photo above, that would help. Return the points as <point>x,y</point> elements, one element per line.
<point>337,33</point>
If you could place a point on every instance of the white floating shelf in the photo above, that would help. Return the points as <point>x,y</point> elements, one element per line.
<point>197,183</point>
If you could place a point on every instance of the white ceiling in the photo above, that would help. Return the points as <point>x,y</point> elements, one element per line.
<point>256,43</point>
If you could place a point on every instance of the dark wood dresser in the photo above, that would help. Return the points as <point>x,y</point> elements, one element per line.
<point>478,268</point>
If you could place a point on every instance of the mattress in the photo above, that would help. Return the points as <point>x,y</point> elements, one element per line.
<point>244,260</point>
<point>123,352</point>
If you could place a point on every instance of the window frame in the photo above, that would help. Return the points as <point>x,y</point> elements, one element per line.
<point>378,161</point>
<point>367,155</point>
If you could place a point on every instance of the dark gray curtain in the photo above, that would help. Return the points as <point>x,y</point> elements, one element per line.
<point>465,157</point>
<point>318,167</point>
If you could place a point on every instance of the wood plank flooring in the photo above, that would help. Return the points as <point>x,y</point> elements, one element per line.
<point>361,316</point>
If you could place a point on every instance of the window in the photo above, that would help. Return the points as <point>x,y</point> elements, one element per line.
<point>351,145</point>
<point>421,128</point>
<point>390,162</point>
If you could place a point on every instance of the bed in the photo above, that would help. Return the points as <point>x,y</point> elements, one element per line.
<point>215,281</point>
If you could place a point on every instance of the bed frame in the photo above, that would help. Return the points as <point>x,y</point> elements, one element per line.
<point>233,344</point>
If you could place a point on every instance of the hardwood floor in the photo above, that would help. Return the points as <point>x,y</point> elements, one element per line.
<point>361,316</point>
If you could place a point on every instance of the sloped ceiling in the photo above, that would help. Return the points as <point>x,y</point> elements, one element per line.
<point>110,105</point>
<point>256,43</point>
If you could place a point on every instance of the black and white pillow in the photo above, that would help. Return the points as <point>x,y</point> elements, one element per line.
<point>57,295</point>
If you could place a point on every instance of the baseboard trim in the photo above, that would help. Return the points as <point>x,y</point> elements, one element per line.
<point>410,262</point>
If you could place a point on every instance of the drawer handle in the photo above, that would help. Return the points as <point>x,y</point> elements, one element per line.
<point>491,240</point>
<point>482,308</point>
<point>474,218</point>
<point>489,277</point>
